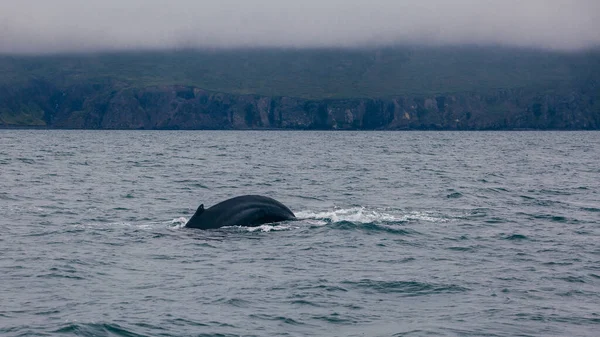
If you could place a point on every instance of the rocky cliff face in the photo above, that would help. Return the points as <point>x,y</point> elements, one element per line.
<point>116,106</point>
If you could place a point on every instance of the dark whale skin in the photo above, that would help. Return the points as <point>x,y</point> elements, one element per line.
<point>245,210</point>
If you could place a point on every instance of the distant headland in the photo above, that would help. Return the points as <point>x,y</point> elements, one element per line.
<point>395,88</point>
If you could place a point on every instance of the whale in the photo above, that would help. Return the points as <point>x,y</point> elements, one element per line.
<point>245,210</point>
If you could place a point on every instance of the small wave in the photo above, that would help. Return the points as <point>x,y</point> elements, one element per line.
<point>573,279</point>
<point>234,302</point>
<point>461,249</point>
<point>374,227</point>
<point>516,237</point>
<point>335,319</point>
<point>417,332</point>
<point>26,160</point>
<point>6,196</point>
<point>183,322</point>
<point>454,195</point>
<point>281,319</point>
<point>61,275</point>
<point>305,303</point>
<point>299,196</point>
<point>95,330</point>
<point>575,292</point>
<point>554,192</point>
<point>408,288</point>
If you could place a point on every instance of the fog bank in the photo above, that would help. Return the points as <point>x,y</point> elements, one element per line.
<point>42,26</point>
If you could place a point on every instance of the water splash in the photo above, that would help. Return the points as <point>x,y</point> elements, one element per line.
<point>267,228</point>
<point>361,215</point>
<point>178,223</point>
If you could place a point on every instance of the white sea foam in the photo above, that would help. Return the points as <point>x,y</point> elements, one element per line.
<point>268,228</point>
<point>364,215</point>
<point>178,223</point>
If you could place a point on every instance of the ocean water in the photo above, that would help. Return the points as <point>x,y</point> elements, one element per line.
<point>401,234</point>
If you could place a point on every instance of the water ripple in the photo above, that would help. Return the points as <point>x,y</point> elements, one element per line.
<point>399,234</point>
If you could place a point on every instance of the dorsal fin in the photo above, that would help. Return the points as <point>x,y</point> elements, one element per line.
<point>200,209</point>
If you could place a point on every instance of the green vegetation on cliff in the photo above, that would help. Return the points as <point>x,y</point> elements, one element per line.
<point>315,73</point>
<point>26,114</point>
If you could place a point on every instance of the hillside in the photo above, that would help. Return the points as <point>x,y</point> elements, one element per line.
<point>402,87</point>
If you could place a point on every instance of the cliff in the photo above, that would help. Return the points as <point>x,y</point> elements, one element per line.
<point>182,107</point>
<point>535,91</point>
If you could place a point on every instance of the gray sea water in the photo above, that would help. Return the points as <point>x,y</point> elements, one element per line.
<point>401,234</point>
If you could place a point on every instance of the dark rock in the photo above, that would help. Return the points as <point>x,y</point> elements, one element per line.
<point>112,105</point>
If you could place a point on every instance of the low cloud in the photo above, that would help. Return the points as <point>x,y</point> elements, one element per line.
<point>43,26</point>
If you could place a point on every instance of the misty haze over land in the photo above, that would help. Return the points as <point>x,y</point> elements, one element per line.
<point>41,26</point>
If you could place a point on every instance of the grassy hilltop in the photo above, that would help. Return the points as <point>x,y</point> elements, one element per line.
<point>315,73</point>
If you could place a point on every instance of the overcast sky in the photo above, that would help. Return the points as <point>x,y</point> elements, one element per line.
<point>82,25</point>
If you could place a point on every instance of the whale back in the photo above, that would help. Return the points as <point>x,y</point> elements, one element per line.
<point>247,210</point>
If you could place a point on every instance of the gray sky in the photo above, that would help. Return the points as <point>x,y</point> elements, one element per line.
<point>82,25</point>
